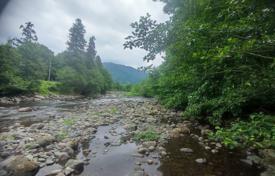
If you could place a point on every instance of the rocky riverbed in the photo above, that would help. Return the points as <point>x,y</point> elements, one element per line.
<point>99,137</point>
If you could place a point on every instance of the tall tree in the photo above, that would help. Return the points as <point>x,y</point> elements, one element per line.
<point>28,34</point>
<point>77,41</point>
<point>91,51</point>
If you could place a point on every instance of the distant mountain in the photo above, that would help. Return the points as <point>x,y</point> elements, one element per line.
<point>124,74</point>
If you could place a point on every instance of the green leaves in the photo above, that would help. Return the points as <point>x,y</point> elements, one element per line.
<point>258,132</point>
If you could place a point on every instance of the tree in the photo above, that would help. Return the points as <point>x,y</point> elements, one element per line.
<point>77,41</point>
<point>148,35</point>
<point>91,51</point>
<point>28,34</point>
<point>219,56</point>
<point>10,80</point>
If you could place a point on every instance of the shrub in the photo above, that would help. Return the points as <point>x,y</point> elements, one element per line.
<point>149,135</point>
<point>258,132</point>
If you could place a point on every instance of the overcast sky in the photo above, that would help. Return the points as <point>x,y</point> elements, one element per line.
<point>107,20</point>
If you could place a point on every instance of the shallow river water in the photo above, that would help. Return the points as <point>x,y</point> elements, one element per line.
<point>108,157</point>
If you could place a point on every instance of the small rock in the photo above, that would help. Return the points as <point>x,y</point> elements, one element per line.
<point>214,151</point>
<point>25,109</point>
<point>201,160</point>
<point>186,150</point>
<point>219,145</point>
<point>106,137</point>
<point>62,156</point>
<point>68,171</point>
<point>49,161</point>
<point>142,150</point>
<point>106,144</point>
<point>150,162</point>
<point>151,148</point>
<point>76,165</point>
<point>163,153</point>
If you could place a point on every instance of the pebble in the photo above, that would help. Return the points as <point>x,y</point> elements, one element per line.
<point>201,160</point>
<point>150,162</point>
<point>186,150</point>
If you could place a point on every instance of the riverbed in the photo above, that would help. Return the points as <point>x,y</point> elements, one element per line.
<point>104,131</point>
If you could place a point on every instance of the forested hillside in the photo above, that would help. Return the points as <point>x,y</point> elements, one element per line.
<point>219,65</point>
<point>28,66</point>
<point>124,74</point>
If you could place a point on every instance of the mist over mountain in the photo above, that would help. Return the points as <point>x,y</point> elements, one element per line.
<point>124,74</point>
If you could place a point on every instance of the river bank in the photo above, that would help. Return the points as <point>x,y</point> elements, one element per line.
<point>98,137</point>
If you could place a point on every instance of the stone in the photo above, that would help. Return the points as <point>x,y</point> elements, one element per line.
<point>214,151</point>
<point>151,148</point>
<point>142,150</point>
<point>147,144</point>
<point>44,140</point>
<point>268,155</point>
<point>163,153</point>
<point>150,162</point>
<point>205,132</point>
<point>68,171</point>
<point>25,109</point>
<point>201,160</point>
<point>62,156</point>
<point>219,145</point>
<point>54,172</point>
<point>106,137</point>
<point>41,159</point>
<point>20,165</point>
<point>186,150</point>
<point>106,144</point>
<point>76,165</point>
<point>68,150</point>
<point>37,126</point>
<point>49,161</point>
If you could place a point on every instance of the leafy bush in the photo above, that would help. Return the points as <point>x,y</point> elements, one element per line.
<point>258,132</point>
<point>48,87</point>
<point>149,135</point>
<point>219,57</point>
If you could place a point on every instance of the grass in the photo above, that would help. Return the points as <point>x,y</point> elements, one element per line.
<point>113,110</point>
<point>149,135</point>
<point>68,122</point>
<point>61,135</point>
<point>7,138</point>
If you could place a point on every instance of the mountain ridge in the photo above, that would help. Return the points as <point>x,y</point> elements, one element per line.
<point>124,74</point>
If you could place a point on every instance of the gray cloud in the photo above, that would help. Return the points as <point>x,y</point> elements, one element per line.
<point>107,20</point>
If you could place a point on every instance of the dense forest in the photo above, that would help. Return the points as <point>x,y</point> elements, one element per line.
<point>219,65</point>
<point>28,66</point>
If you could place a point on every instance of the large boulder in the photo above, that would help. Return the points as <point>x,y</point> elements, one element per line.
<point>19,166</point>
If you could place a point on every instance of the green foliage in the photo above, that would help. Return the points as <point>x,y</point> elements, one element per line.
<point>77,41</point>
<point>78,74</point>
<point>61,135</point>
<point>219,59</point>
<point>25,67</point>
<point>35,61</point>
<point>48,87</point>
<point>258,132</point>
<point>121,87</point>
<point>10,80</point>
<point>149,135</point>
<point>68,122</point>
